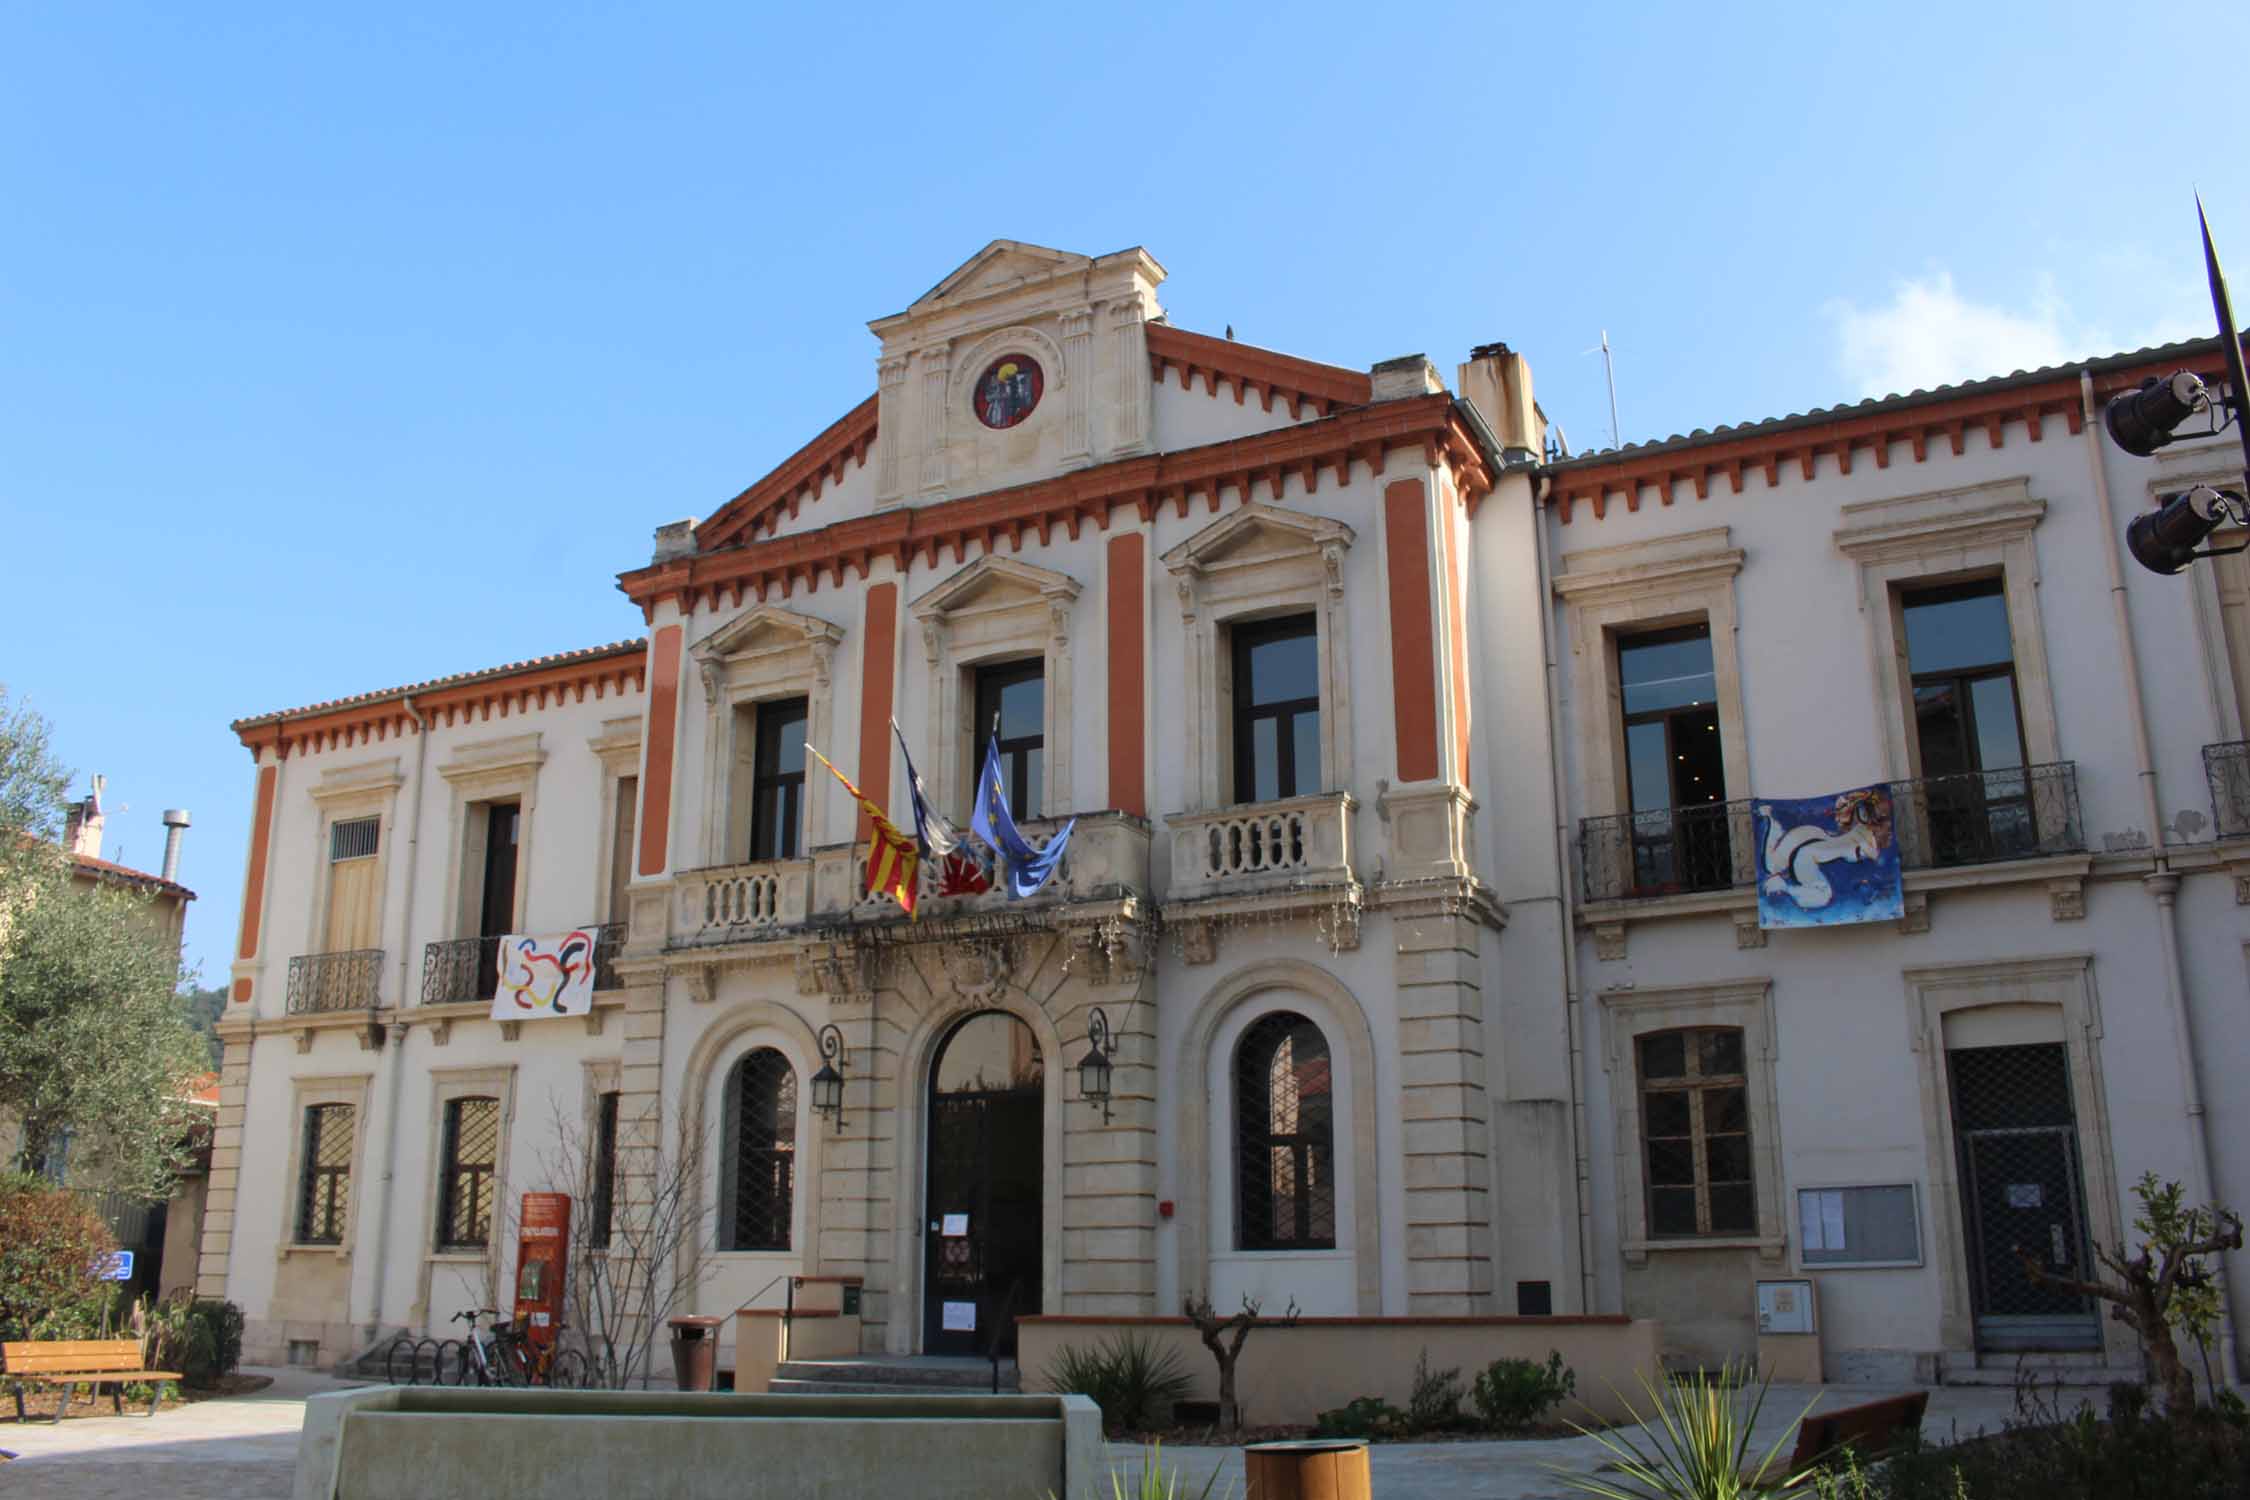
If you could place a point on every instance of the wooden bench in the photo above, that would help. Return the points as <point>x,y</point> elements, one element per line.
<point>1869,1430</point>
<point>71,1363</point>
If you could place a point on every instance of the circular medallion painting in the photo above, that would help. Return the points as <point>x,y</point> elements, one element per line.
<point>1009,388</point>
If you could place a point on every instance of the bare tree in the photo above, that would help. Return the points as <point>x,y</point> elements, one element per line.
<point>630,1263</point>
<point>2164,1287</point>
<point>1224,1337</point>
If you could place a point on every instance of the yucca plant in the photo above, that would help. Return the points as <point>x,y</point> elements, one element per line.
<point>1132,1378</point>
<point>1698,1443</point>
<point>1154,1482</point>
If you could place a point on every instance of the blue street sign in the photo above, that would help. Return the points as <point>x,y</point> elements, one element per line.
<point>119,1267</point>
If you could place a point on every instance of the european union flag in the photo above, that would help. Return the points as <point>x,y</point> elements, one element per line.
<point>1027,868</point>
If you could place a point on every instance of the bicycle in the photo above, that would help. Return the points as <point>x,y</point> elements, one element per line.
<point>503,1356</point>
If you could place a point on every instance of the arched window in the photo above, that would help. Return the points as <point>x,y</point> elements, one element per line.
<point>1285,1140</point>
<point>757,1181</point>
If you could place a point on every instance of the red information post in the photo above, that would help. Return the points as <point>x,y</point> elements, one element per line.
<point>542,1253</point>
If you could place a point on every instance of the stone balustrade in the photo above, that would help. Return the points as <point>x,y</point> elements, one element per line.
<point>740,900</point>
<point>1257,846</point>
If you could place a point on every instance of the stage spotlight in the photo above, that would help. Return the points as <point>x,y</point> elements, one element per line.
<point>2141,421</point>
<point>2164,540</point>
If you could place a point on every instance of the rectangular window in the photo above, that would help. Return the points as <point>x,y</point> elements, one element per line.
<point>465,1180</point>
<point>1967,724</point>
<point>777,783</point>
<point>1014,697</point>
<point>1675,772</point>
<point>1695,1133</point>
<point>621,845</point>
<point>353,844</point>
<point>1276,709</point>
<point>324,1187</point>
<point>605,1172</point>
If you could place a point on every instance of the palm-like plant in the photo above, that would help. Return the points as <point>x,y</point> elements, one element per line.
<point>1697,1438</point>
<point>1154,1482</point>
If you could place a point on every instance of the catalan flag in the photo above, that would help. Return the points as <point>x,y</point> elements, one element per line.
<point>893,860</point>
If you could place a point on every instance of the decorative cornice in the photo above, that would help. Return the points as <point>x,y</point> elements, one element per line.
<point>473,697</point>
<point>917,535</point>
<point>1918,423</point>
<point>798,478</point>
<point>1244,369</point>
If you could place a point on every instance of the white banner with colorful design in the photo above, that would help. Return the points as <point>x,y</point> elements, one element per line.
<point>544,975</point>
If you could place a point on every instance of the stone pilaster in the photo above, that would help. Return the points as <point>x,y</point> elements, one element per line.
<point>1445,1103</point>
<point>1109,1167</point>
<point>858,1172</point>
<point>890,428</point>
<point>1129,359</point>
<point>226,1160</point>
<point>1077,343</point>
<point>937,367</point>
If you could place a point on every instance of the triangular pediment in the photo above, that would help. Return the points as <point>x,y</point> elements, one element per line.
<point>1001,266</point>
<point>994,583</point>
<point>1256,533</point>
<point>767,627</point>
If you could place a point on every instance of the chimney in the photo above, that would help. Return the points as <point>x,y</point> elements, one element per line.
<point>175,824</point>
<point>82,833</point>
<point>1497,382</point>
<point>674,539</point>
<point>1407,376</point>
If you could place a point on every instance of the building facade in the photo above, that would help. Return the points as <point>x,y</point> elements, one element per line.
<point>1411,896</point>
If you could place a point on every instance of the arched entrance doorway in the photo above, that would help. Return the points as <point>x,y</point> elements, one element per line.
<point>981,1204</point>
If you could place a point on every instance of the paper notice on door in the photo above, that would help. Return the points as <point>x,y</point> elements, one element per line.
<point>960,1317</point>
<point>956,1225</point>
<point>2024,1195</point>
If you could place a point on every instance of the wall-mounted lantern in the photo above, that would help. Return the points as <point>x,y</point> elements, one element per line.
<point>1094,1069</point>
<point>828,1083</point>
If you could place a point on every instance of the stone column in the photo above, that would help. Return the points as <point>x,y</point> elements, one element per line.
<point>890,427</point>
<point>1076,373</point>
<point>937,365</point>
<point>1129,345</point>
<point>1445,1103</point>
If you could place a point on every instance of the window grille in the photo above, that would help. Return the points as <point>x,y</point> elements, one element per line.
<point>1285,1187</point>
<point>472,1151</point>
<point>762,1146</point>
<point>354,838</point>
<point>324,1192</point>
<point>1695,1134</point>
<point>605,1173</point>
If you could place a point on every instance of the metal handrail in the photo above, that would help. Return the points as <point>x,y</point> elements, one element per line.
<point>320,982</point>
<point>459,970</point>
<point>1000,1325</point>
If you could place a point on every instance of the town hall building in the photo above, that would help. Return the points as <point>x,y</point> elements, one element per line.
<point>1413,900</point>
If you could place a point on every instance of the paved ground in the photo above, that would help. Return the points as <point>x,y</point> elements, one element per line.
<point>245,1448</point>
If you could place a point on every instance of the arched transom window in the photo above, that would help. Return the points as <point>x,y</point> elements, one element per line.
<point>1285,1151</point>
<point>757,1183</point>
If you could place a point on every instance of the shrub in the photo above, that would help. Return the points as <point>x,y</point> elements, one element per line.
<point>1364,1417</point>
<point>1511,1394</point>
<point>218,1338</point>
<point>1436,1401</point>
<point>50,1244</point>
<point>1698,1445</point>
<point>1131,1378</point>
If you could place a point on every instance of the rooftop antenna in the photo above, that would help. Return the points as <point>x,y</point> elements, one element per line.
<point>1609,370</point>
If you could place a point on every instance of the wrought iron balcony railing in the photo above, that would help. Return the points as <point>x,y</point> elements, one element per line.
<point>1667,852</point>
<point>465,969</point>
<point>2227,768</point>
<point>1977,817</point>
<point>1983,817</point>
<point>321,982</point>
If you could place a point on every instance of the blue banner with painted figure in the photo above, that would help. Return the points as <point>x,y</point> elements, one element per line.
<point>1825,861</point>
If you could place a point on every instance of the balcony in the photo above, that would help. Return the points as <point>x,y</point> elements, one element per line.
<point>321,983</point>
<point>1303,841</point>
<point>734,903</point>
<point>1987,817</point>
<point>464,970</point>
<point>2227,768</point>
<point>1667,852</point>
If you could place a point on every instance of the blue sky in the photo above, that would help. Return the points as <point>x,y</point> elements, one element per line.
<point>341,352</point>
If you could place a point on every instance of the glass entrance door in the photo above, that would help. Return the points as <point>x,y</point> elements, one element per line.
<point>982,1251</point>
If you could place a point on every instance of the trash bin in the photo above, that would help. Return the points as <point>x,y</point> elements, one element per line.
<point>1311,1470</point>
<point>695,1351</point>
